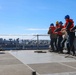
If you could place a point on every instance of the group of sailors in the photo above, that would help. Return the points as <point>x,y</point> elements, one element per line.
<point>59,34</point>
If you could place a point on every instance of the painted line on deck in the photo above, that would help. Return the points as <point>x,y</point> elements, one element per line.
<point>67,65</point>
<point>64,73</point>
<point>26,65</point>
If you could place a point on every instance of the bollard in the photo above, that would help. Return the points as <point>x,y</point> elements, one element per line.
<point>34,73</point>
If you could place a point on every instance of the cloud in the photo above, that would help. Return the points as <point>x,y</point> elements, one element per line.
<point>31,36</point>
<point>36,29</point>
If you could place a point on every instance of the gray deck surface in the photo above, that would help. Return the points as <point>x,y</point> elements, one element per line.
<point>24,62</point>
<point>47,63</point>
<point>9,65</point>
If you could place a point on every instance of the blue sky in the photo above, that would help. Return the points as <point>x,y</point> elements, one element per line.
<point>33,16</point>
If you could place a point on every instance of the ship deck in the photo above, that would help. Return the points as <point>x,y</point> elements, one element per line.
<point>24,62</point>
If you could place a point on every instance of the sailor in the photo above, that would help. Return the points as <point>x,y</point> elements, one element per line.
<point>53,37</point>
<point>69,24</point>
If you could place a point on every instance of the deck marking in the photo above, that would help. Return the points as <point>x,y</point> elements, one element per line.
<point>25,64</point>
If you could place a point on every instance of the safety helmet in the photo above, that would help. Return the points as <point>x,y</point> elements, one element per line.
<point>60,22</point>
<point>51,24</point>
<point>57,22</point>
<point>67,17</point>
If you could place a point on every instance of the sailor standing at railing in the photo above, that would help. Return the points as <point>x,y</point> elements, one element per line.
<point>60,38</point>
<point>53,37</point>
<point>69,24</point>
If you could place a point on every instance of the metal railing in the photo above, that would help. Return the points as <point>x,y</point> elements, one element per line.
<point>21,42</point>
<point>25,42</point>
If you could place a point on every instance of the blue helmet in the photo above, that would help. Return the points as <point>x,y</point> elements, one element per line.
<point>51,24</point>
<point>67,17</point>
<point>60,22</point>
